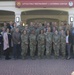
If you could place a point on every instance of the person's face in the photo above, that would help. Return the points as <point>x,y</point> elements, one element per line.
<point>33,32</point>
<point>55,23</point>
<point>21,23</point>
<point>56,32</point>
<point>24,32</point>
<point>7,30</point>
<point>48,30</point>
<point>31,24</point>
<point>26,27</point>
<point>45,23</point>
<point>14,24</point>
<point>5,24</point>
<point>62,23</point>
<point>48,24</point>
<point>11,23</point>
<point>40,24</point>
<point>17,30</point>
<point>42,31</point>
<point>67,32</point>
<point>62,31</point>
<point>3,29</point>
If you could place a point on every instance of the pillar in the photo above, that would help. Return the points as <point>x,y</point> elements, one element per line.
<point>17,18</point>
<point>71,18</point>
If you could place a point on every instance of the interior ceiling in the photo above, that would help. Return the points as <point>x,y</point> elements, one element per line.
<point>45,12</point>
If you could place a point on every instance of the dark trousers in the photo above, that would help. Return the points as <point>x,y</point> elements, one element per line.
<point>1,50</point>
<point>68,47</point>
<point>16,51</point>
<point>7,53</point>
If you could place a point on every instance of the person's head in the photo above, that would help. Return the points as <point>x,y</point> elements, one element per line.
<point>11,23</point>
<point>67,32</point>
<point>33,32</point>
<point>17,30</point>
<point>14,24</point>
<point>54,29</point>
<point>5,24</point>
<point>24,32</point>
<point>44,29</point>
<point>4,29</point>
<point>8,30</point>
<point>40,25</point>
<point>56,32</point>
<point>48,29</point>
<point>48,24</point>
<point>41,31</point>
<point>45,23</point>
<point>62,23</point>
<point>62,31</point>
<point>21,23</point>
<point>31,23</point>
<point>26,27</point>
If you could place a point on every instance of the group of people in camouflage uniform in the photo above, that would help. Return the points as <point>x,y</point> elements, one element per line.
<point>37,39</point>
<point>44,39</point>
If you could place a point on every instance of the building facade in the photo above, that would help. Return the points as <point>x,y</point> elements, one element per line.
<point>9,12</point>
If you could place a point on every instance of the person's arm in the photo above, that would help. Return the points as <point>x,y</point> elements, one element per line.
<point>6,38</point>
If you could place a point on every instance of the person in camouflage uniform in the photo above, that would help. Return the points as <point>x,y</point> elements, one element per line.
<point>33,42</point>
<point>24,44</point>
<point>63,43</point>
<point>39,29</point>
<point>41,44</point>
<point>31,27</point>
<point>48,42</point>
<point>56,43</point>
<point>21,27</point>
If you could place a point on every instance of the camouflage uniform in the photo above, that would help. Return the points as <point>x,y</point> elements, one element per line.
<point>32,39</point>
<point>41,45</point>
<point>30,29</point>
<point>56,44</point>
<point>21,28</point>
<point>38,30</point>
<point>24,45</point>
<point>63,44</point>
<point>48,43</point>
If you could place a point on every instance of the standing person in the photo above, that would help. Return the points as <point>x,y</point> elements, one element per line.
<point>24,44</point>
<point>41,43</point>
<point>63,43</point>
<point>10,25</point>
<point>27,29</point>
<point>21,27</point>
<point>13,29</point>
<point>56,43</point>
<point>72,38</point>
<point>33,42</point>
<point>31,27</point>
<point>48,42</point>
<point>9,39</point>
<point>1,44</point>
<point>16,44</point>
<point>68,43</point>
<point>5,25</point>
<point>6,45</point>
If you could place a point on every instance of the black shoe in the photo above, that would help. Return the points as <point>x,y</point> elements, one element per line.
<point>7,58</point>
<point>68,58</point>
